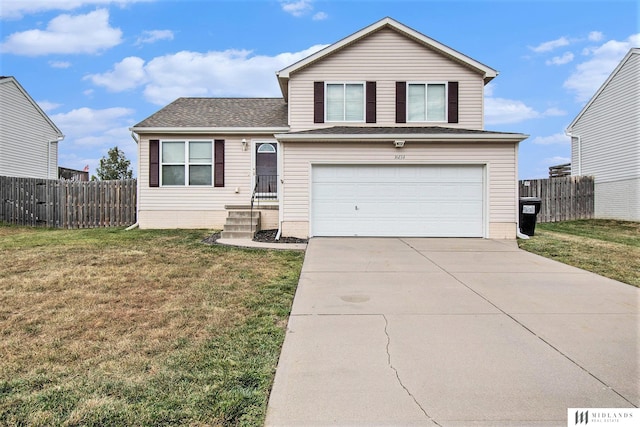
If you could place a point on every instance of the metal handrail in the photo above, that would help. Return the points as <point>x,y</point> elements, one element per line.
<point>253,198</point>
<point>265,188</point>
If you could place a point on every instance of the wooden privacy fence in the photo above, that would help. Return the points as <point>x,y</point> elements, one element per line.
<point>563,199</point>
<point>67,204</point>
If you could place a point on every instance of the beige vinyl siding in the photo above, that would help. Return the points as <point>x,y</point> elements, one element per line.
<point>610,128</point>
<point>195,206</point>
<point>386,57</point>
<point>500,160</point>
<point>25,150</point>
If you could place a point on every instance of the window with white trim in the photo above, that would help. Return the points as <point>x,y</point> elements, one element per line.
<point>186,163</point>
<point>344,102</point>
<point>426,102</point>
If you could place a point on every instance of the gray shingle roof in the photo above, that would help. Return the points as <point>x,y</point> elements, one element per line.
<point>220,112</point>
<point>414,130</point>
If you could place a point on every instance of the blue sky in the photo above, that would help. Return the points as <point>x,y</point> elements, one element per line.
<point>97,67</point>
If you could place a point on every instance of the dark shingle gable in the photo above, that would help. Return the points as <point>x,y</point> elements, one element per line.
<point>220,112</point>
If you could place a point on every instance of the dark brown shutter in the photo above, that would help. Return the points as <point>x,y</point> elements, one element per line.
<point>453,102</point>
<point>401,102</point>
<point>371,102</point>
<point>154,163</point>
<point>218,174</point>
<point>318,102</point>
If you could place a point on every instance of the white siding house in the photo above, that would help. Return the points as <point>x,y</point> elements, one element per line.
<point>28,137</point>
<point>379,134</point>
<point>605,142</point>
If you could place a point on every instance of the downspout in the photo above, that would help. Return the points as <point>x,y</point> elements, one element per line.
<point>519,234</point>
<point>53,141</point>
<point>579,138</point>
<point>280,190</point>
<point>136,224</point>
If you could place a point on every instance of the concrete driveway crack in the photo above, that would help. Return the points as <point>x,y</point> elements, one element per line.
<point>386,332</point>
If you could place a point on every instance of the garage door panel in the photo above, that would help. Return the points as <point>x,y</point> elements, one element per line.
<point>381,200</point>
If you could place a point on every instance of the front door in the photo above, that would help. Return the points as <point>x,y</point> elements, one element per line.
<point>266,170</point>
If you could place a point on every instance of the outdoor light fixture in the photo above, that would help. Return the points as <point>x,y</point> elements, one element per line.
<point>244,144</point>
<point>398,144</point>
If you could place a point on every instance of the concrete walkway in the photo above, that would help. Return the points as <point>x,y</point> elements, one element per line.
<point>451,332</point>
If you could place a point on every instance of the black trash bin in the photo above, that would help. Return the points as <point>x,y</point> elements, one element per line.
<point>529,208</point>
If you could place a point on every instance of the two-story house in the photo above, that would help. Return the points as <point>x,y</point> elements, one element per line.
<point>28,137</point>
<point>379,134</point>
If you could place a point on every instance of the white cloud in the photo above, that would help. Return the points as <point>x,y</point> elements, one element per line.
<point>320,16</point>
<point>186,73</point>
<point>556,160</point>
<point>297,8</point>
<point>489,88</point>
<point>554,112</point>
<point>503,111</point>
<point>83,123</point>
<point>154,35</point>
<point>126,74</point>
<point>48,106</point>
<point>561,60</point>
<point>13,9</point>
<point>66,34</point>
<point>59,64</point>
<point>556,138</point>
<point>595,36</point>
<point>589,75</point>
<point>89,130</point>
<point>550,45</point>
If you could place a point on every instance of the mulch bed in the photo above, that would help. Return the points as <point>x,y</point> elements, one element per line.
<point>269,236</point>
<point>265,236</point>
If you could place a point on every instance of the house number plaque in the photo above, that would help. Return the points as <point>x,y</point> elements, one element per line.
<point>399,157</point>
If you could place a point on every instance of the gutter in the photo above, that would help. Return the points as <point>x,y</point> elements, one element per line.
<point>137,223</point>
<point>406,137</point>
<point>209,130</point>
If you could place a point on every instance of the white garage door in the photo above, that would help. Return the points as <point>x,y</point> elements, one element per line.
<point>380,200</point>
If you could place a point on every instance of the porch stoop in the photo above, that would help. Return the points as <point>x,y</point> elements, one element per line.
<point>241,225</point>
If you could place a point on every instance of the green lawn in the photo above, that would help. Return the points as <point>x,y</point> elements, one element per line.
<point>606,247</point>
<point>108,327</point>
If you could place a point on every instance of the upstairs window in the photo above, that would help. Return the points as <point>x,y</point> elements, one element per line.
<point>345,102</point>
<point>426,102</point>
<point>186,163</point>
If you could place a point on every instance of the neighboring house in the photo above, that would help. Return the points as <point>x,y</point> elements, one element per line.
<point>28,137</point>
<point>379,134</point>
<point>605,142</point>
<point>68,174</point>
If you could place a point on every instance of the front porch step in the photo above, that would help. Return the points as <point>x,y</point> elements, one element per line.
<point>237,235</point>
<point>241,224</point>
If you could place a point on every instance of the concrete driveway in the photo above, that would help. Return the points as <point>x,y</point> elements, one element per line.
<point>451,332</point>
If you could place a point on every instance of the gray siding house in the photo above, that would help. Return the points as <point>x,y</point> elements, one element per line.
<point>28,137</point>
<point>605,142</point>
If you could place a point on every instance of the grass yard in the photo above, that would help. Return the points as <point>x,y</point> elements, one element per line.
<point>606,247</point>
<point>144,327</point>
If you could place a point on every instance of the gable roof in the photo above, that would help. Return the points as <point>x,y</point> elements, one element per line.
<point>11,79</point>
<point>632,51</point>
<point>217,114</point>
<point>488,73</point>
